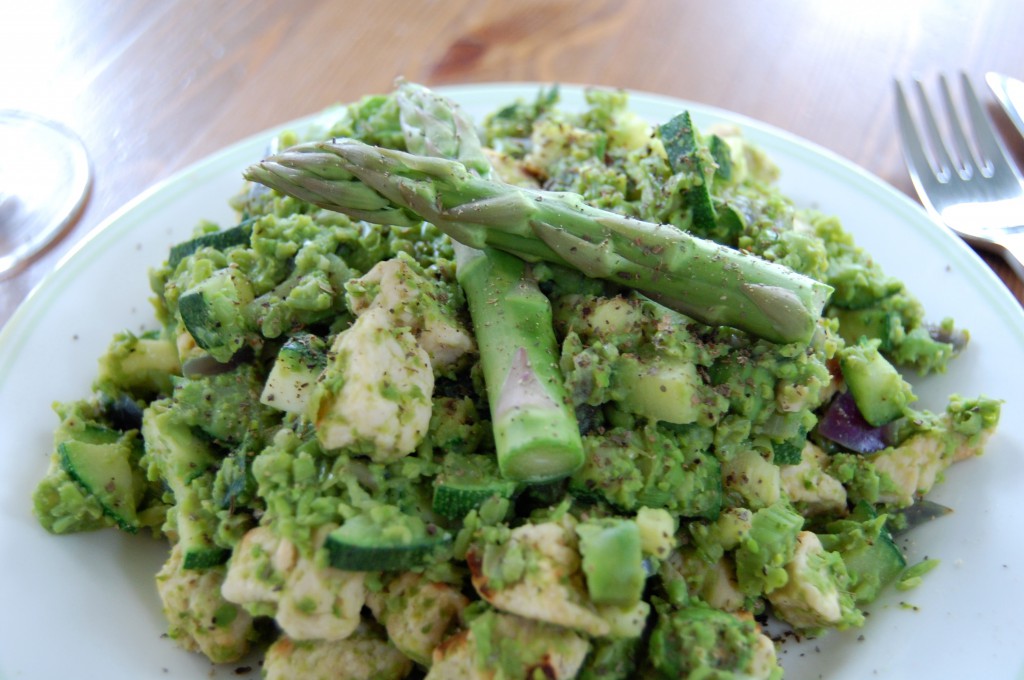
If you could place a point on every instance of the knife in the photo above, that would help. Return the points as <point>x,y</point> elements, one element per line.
<point>1010,93</point>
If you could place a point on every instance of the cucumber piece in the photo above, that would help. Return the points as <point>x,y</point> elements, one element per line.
<point>104,470</point>
<point>877,387</point>
<point>612,561</point>
<point>196,525</point>
<point>702,163</point>
<point>679,137</point>
<point>466,482</point>
<point>661,389</point>
<point>94,433</point>
<point>215,315</point>
<point>142,366</point>
<point>183,460</point>
<point>178,453</point>
<point>657,528</point>
<point>762,555</point>
<point>385,539</point>
<point>221,240</point>
<point>722,154</point>
<point>872,557</point>
<point>299,363</point>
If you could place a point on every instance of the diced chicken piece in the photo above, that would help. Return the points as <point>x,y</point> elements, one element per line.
<point>549,587</point>
<point>764,660</point>
<point>310,601</point>
<point>418,614</point>
<point>200,618</point>
<point>320,602</point>
<point>971,447</point>
<point>526,648</point>
<point>455,659</point>
<point>810,487</point>
<point>257,567</point>
<point>720,588</point>
<point>811,597</point>
<point>356,658</point>
<point>375,394</point>
<point>914,466</point>
<point>714,582</point>
<point>753,477</point>
<point>412,301</point>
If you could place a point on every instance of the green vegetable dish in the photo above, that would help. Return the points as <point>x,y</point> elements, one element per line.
<point>555,395</point>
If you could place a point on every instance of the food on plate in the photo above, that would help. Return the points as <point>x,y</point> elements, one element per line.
<point>562,394</point>
<point>707,281</point>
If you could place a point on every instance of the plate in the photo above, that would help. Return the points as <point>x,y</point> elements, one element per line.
<point>84,606</point>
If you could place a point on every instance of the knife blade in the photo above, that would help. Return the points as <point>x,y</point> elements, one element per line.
<point>1010,94</point>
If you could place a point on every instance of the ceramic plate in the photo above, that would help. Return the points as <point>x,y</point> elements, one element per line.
<point>85,606</point>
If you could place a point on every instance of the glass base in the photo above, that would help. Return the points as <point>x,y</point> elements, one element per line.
<point>44,180</point>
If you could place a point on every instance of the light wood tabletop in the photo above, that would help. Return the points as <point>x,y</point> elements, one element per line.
<point>154,86</point>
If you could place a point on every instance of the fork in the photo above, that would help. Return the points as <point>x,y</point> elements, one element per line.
<point>965,181</point>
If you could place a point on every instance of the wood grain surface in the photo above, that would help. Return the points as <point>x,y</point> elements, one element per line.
<point>154,86</point>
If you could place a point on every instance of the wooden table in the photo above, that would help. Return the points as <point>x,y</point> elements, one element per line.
<point>154,86</point>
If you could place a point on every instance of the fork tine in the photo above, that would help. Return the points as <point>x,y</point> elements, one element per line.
<point>993,158</point>
<point>944,165</point>
<point>921,169</point>
<point>983,198</point>
<point>968,160</point>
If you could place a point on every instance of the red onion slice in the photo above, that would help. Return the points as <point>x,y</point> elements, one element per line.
<point>844,424</point>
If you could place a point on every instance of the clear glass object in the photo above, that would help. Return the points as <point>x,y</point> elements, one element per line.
<point>44,180</point>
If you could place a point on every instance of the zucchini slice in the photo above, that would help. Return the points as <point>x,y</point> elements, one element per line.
<point>299,363</point>
<point>872,557</point>
<point>466,482</point>
<point>684,156</point>
<point>221,240</point>
<point>214,312</point>
<point>385,539</point>
<point>195,528</point>
<point>179,453</point>
<point>612,561</point>
<point>104,470</point>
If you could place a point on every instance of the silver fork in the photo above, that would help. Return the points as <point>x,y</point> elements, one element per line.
<point>965,181</point>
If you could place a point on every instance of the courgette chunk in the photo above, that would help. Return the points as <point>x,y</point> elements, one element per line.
<point>466,482</point>
<point>385,539</point>
<point>612,560</point>
<point>679,137</point>
<point>220,240</point>
<point>872,557</point>
<point>214,313</point>
<point>179,454</point>
<point>105,471</point>
<point>183,459</point>
<point>877,387</point>
<point>299,363</point>
<point>196,525</point>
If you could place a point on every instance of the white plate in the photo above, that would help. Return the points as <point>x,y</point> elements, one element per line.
<point>85,606</point>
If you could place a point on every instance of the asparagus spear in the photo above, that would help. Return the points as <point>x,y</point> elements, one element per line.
<point>704,280</point>
<point>435,126</point>
<point>536,435</point>
<point>535,431</point>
